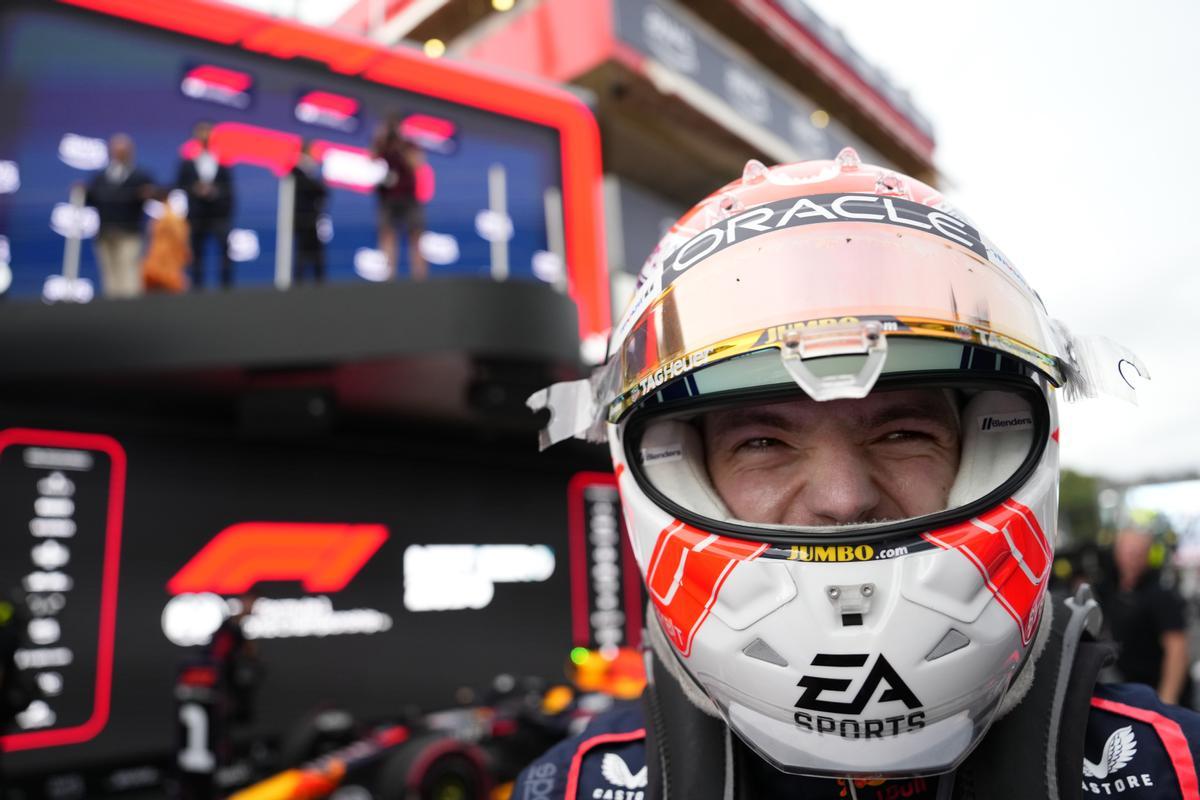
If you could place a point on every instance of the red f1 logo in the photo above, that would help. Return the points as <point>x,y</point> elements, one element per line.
<point>217,84</point>
<point>323,557</point>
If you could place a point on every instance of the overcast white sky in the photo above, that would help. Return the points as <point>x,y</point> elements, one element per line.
<point>1070,132</point>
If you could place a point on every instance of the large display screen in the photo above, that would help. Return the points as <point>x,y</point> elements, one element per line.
<point>71,79</point>
<point>386,578</point>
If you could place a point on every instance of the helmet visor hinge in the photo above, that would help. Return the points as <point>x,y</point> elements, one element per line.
<point>860,338</point>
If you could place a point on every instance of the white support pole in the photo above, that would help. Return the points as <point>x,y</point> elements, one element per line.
<point>613,226</point>
<point>556,239</point>
<point>498,204</point>
<point>73,247</point>
<point>284,232</point>
<point>376,16</point>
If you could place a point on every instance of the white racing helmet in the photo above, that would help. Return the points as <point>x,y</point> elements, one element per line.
<point>881,636</point>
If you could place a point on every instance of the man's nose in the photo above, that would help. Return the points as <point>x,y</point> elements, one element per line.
<point>838,488</point>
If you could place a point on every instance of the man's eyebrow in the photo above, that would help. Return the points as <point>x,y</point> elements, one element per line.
<point>740,417</point>
<point>922,411</point>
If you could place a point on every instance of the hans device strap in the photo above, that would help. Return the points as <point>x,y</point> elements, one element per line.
<point>686,750</point>
<point>1044,733</point>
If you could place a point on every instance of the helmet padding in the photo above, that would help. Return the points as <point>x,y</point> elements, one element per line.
<point>997,432</point>
<point>674,461</point>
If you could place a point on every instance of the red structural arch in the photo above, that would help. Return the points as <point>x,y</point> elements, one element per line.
<point>524,99</point>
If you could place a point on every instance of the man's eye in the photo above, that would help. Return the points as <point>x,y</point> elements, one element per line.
<point>757,445</point>
<point>907,436</point>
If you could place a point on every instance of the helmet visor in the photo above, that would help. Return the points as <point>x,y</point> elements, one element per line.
<point>747,296</point>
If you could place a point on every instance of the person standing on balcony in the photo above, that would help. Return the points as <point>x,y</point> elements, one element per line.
<point>117,193</point>
<point>209,187</point>
<point>168,252</point>
<point>311,195</point>
<point>399,206</point>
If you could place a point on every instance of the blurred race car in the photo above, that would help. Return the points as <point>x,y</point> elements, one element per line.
<point>470,753</point>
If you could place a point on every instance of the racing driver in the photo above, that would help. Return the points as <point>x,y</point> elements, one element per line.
<point>832,413</point>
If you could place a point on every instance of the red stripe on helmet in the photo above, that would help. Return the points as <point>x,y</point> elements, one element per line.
<point>1011,552</point>
<point>687,569</point>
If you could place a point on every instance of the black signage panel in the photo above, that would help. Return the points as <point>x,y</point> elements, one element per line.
<point>60,513</point>
<point>609,600</point>
<point>388,575</point>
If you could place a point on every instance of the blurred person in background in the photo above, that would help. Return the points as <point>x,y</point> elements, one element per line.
<point>1146,619</point>
<point>397,192</point>
<point>169,250</point>
<point>236,658</point>
<point>117,193</point>
<point>209,187</point>
<point>310,199</point>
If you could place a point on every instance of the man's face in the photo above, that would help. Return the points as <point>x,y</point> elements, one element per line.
<point>888,456</point>
<point>120,149</point>
<point>1131,551</point>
